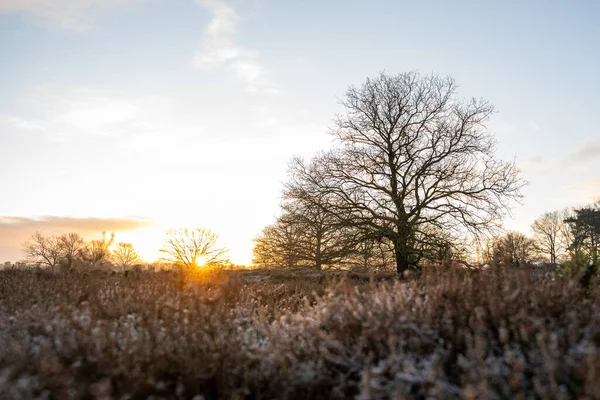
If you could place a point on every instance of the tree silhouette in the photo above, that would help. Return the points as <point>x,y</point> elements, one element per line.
<point>547,231</point>
<point>514,248</point>
<point>412,159</point>
<point>193,247</point>
<point>278,245</point>
<point>585,225</point>
<point>97,252</point>
<point>125,255</point>
<point>72,245</point>
<point>44,250</point>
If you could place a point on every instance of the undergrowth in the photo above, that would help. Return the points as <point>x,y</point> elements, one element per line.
<point>260,334</point>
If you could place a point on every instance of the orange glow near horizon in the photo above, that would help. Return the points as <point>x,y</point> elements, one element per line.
<point>148,242</point>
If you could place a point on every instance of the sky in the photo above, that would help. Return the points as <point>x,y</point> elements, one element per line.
<point>137,116</point>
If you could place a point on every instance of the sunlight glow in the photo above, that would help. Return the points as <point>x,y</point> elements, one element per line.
<point>201,261</point>
<point>147,241</point>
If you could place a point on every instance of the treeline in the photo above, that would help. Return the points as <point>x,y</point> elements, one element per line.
<point>411,181</point>
<point>70,251</point>
<point>183,249</point>
<point>570,237</point>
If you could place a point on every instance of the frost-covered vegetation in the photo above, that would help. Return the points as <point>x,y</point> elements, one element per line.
<point>500,333</point>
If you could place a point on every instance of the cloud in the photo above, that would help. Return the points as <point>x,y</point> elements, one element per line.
<point>57,223</point>
<point>587,151</point>
<point>16,230</point>
<point>219,48</point>
<point>69,14</point>
<point>60,113</point>
<point>11,121</point>
<point>99,113</point>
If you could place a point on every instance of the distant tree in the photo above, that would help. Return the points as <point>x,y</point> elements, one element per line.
<point>323,238</point>
<point>547,231</point>
<point>191,248</point>
<point>125,255</point>
<point>585,228</point>
<point>413,159</point>
<point>514,248</point>
<point>278,245</point>
<point>44,250</point>
<point>97,252</point>
<point>567,234</point>
<point>71,245</point>
<point>305,235</point>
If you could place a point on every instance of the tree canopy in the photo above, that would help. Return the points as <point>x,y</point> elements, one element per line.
<point>412,159</point>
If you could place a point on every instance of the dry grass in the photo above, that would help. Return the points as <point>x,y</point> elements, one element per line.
<point>261,334</point>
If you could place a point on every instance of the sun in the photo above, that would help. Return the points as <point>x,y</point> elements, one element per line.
<point>201,261</point>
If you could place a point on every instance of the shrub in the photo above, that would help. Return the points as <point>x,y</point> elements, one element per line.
<point>237,334</point>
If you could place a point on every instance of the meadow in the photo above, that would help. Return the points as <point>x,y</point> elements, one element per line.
<point>263,334</point>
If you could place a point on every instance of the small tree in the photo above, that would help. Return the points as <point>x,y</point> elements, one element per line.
<point>514,248</point>
<point>192,248</point>
<point>44,250</point>
<point>97,252</point>
<point>125,255</point>
<point>277,245</point>
<point>585,225</point>
<point>547,231</point>
<point>71,244</point>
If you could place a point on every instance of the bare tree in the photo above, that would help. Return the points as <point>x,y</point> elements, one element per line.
<point>304,235</point>
<point>193,247</point>
<point>547,231</point>
<point>125,255</point>
<point>514,248</point>
<point>44,250</point>
<point>324,239</point>
<point>412,159</point>
<point>97,252</point>
<point>278,245</point>
<point>71,244</point>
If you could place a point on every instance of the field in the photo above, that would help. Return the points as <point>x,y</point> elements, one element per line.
<point>298,335</point>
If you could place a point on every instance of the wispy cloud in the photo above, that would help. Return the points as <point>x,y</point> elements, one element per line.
<point>60,224</point>
<point>219,49</point>
<point>585,152</point>
<point>10,121</point>
<point>69,14</point>
<point>59,112</point>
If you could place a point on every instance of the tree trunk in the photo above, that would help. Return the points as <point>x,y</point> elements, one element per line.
<point>318,258</point>
<point>401,258</point>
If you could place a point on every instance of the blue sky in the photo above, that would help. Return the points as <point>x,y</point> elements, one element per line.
<point>154,114</point>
